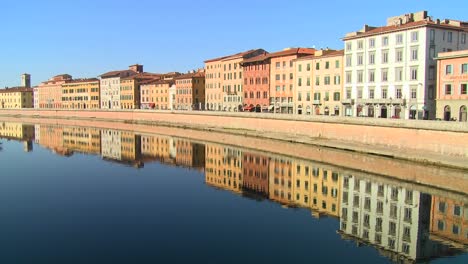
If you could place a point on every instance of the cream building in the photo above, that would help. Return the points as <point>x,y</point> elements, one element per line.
<point>110,86</point>
<point>16,98</point>
<point>390,70</point>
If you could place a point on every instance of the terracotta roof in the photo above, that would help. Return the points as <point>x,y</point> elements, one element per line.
<point>190,75</point>
<point>143,76</point>
<point>117,73</point>
<point>331,53</point>
<point>84,80</point>
<point>409,25</point>
<point>16,90</point>
<point>292,51</point>
<point>262,57</point>
<point>233,56</point>
<point>157,81</point>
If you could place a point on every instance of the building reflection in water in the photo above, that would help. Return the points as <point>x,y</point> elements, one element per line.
<point>402,222</point>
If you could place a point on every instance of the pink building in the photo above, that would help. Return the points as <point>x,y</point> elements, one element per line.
<point>452,82</point>
<point>50,92</point>
<point>257,83</point>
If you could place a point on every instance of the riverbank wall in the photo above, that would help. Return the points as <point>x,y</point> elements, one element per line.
<point>434,142</point>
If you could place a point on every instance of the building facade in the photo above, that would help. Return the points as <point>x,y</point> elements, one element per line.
<point>390,70</point>
<point>256,73</point>
<point>224,81</point>
<point>452,82</point>
<point>449,221</point>
<point>190,91</point>
<point>327,72</point>
<point>81,94</point>
<point>256,169</point>
<point>282,78</point>
<point>50,92</point>
<point>155,94</point>
<point>110,90</point>
<point>223,167</point>
<point>16,98</point>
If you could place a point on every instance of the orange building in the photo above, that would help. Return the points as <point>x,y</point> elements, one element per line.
<point>282,78</point>
<point>130,89</point>
<point>190,91</point>
<point>155,94</point>
<point>50,92</point>
<point>280,180</point>
<point>81,94</point>
<point>158,148</point>
<point>51,137</point>
<point>257,83</point>
<point>256,174</point>
<point>224,82</point>
<point>449,221</point>
<point>452,86</point>
<point>82,139</point>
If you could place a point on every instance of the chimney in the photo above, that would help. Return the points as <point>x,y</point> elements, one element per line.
<point>26,80</point>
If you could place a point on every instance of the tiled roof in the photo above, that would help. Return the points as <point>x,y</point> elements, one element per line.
<point>190,75</point>
<point>117,73</point>
<point>234,56</point>
<point>327,54</point>
<point>292,51</point>
<point>409,25</point>
<point>16,90</point>
<point>157,81</point>
<point>261,57</point>
<point>84,80</point>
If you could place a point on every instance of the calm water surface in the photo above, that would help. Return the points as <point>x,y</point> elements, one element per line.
<point>75,194</point>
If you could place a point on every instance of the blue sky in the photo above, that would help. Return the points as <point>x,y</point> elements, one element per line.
<point>87,38</point>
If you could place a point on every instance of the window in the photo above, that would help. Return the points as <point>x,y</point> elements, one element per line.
<point>379,207</point>
<point>308,66</point>
<point>337,79</point>
<point>408,213</point>
<point>399,55</point>
<point>449,37</point>
<point>398,74</point>
<point>464,68</point>
<point>308,81</point>
<point>393,211</point>
<point>359,76</point>
<point>348,77</point>
<point>455,229</point>
<point>360,44</point>
<point>392,228</point>
<point>414,92</point>
<point>463,88</point>
<point>371,93</point>
<point>327,65</point>
<point>372,43</point>
<point>317,66</point>
<point>432,36</point>
<point>398,92</point>
<point>384,75</point>
<point>359,93</point>
<point>326,80</point>
<point>348,61</point>
<point>299,81</point>
<point>431,92</point>
<point>348,46</point>
<point>440,225</point>
<point>431,72</point>
<point>384,93</point>
<point>317,80</point>
<point>367,203</point>
<point>278,77</point>
<point>414,73</point>
<point>448,69</point>
<point>384,56</point>
<point>457,210</point>
<point>414,36</point>
<point>337,64</point>
<point>399,39</point>
<point>448,89</point>
<point>348,93</point>
<point>300,67</point>
<point>336,96</point>
<point>371,58</point>
<point>414,53</point>
<point>463,38</point>
<point>371,75</point>
<point>384,41</point>
<point>442,206</point>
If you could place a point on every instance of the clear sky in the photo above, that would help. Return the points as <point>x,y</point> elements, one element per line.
<point>86,38</point>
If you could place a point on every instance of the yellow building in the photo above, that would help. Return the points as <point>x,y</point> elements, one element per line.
<point>280,181</point>
<point>223,167</point>
<point>130,146</point>
<point>130,89</point>
<point>51,137</point>
<point>155,94</point>
<point>316,187</point>
<point>16,131</point>
<point>82,139</point>
<point>81,94</point>
<point>16,98</point>
<point>157,148</point>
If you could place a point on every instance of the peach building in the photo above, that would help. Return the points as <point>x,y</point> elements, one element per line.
<point>158,148</point>
<point>282,79</point>
<point>224,82</point>
<point>452,82</point>
<point>190,91</point>
<point>257,83</point>
<point>155,94</point>
<point>51,137</point>
<point>189,154</point>
<point>81,94</point>
<point>130,89</point>
<point>223,167</point>
<point>50,92</point>
<point>82,139</point>
<point>449,221</point>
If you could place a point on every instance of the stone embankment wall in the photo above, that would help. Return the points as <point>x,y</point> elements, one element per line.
<point>437,141</point>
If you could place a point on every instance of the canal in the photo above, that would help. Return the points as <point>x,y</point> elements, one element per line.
<point>93,194</point>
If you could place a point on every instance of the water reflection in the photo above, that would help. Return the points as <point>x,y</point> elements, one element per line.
<point>402,220</point>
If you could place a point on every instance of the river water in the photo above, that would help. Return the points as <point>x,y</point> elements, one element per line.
<point>73,194</point>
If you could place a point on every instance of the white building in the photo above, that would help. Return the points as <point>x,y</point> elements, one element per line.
<point>111,144</point>
<point>36,96</point>
<point>390,71</point>
<point>172,95</point>
<point>110,86</point>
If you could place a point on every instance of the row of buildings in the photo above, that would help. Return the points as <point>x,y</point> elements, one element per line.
<point>402,222</point>
<point>414,67</point>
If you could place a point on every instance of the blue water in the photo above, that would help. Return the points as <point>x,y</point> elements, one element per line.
<point>84,209</point>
